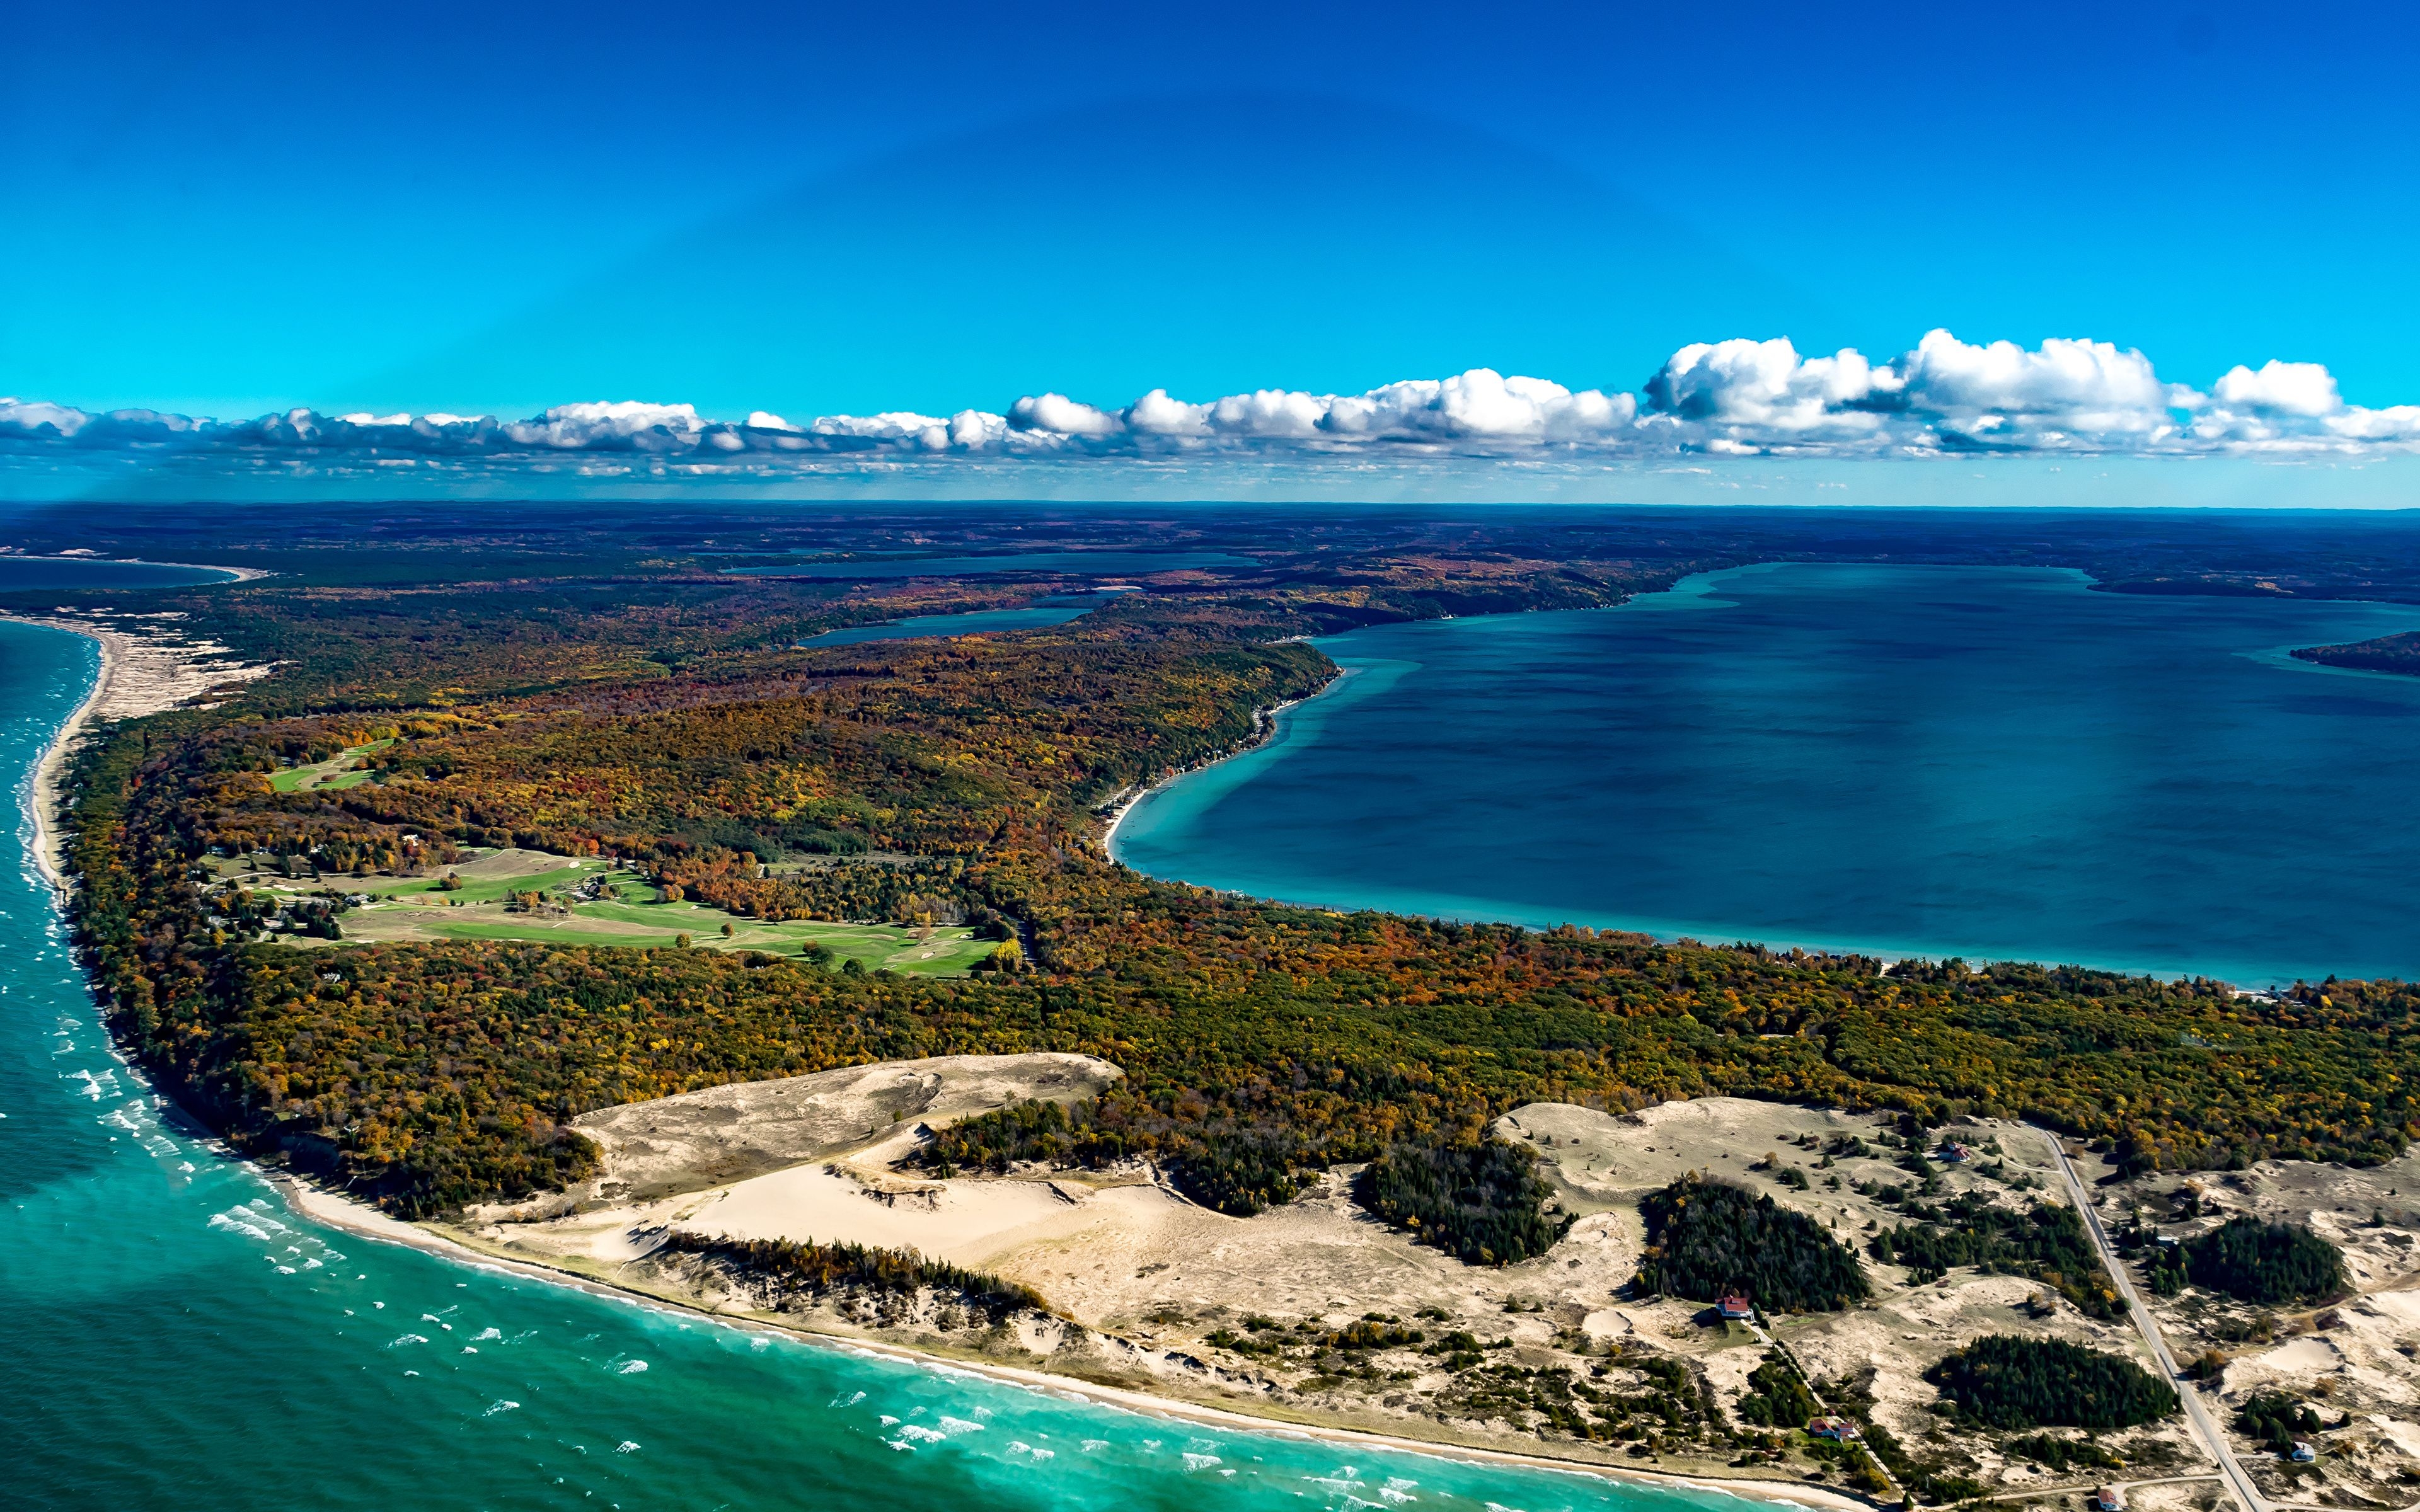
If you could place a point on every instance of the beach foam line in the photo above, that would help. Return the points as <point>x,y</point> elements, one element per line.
<point>343,1213</point>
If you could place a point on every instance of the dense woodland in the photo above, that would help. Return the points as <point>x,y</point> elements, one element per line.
<point>2271,1264</point>
<point>2004,1381</point>
<point>1485,1203</point>
<point>560,696</point>
<point>1707,1239</point>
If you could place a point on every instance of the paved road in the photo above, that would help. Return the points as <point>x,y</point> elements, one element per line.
<point>2213,1438</point>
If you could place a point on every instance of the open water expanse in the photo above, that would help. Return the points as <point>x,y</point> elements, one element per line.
<point>171,1336</point>
<point>1992,763</point>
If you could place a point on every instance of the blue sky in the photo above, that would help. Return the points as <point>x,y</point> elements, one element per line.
<point>493,210</point>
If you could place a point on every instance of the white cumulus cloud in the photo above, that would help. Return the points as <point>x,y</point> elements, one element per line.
<point>1736,396</point>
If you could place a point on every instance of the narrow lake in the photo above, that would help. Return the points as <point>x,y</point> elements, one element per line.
<point>974,621</point>
<point>1992,763</point>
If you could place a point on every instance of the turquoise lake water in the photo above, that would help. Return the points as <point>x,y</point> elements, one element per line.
<point>171,1336</point>
<point>1992,763</point>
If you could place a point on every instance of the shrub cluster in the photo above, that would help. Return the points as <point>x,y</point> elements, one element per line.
<point>780,1269</point>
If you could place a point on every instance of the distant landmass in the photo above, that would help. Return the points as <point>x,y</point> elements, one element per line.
<point>2388,653</point>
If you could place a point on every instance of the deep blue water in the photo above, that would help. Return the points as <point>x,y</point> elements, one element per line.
<point>171,1336</point>
<point>1096,564</point>
<point>919,627</point>
<point>20,574</point>
<point>1992,762</point>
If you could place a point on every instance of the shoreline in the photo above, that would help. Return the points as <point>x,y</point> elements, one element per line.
<point>241,575</point>
<point>332,1210</point>
<point>1265,726</point>
<point>44,811</point>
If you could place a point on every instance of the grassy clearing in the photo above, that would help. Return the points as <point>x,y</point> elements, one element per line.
<point>488,876</point>
<point>946,952</point>
<point>336,774</point>
<point>417,908</point>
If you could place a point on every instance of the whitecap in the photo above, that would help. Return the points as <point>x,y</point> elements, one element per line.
<point>901,1443</point>
<point>1091,1445</point>
<point>1198,1461</point>
<point>922,1435</point>
<point>1038,1455</point>
<point>890,1422</point>
<point>285,1270</point>
<point>486,1334</point>
<point>407,1338</point>
<point>382,1306</point>
<point>469,1349</point>
<point>628,1447</point>
<point>501,1406</point>
<point>631,1369</point>
<point>958,1424</point>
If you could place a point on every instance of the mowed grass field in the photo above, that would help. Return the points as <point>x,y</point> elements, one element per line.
<point>417,908</point>
<point>336,774</point>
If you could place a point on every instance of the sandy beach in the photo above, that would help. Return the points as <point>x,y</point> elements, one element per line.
<point>342,1213</point>
<point>147,667</point>
<point>1264,724</point>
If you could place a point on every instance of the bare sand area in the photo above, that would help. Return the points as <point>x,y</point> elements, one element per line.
<point>1151,1292</point>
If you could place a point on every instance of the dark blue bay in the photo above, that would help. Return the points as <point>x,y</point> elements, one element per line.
<point>1994,763</point>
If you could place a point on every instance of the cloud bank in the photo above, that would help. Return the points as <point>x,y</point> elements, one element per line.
<point>1738,397</point>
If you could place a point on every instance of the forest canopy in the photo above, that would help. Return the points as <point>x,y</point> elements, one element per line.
<point>2004,1381</point>
<point>1483,1202</point>
<point>1707,1239</point>
<point>2267,1263</point>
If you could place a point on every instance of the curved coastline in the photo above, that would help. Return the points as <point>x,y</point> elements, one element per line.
<point>333,1211</point>
<point>330,1210</point>
<point>1264,729</point>
<point>44,808</point>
